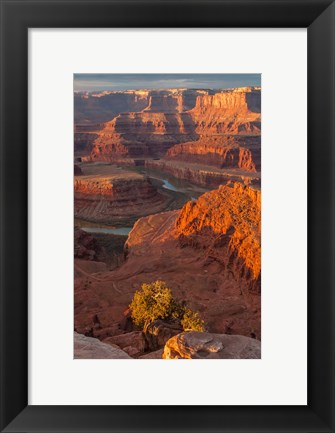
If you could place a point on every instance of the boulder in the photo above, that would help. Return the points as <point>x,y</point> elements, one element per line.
<point>92,348</point>
<point>134,343</point>
<point>159,332</point>
<point>203,345</point>
<point>157,354</point>
<point>107,331</point>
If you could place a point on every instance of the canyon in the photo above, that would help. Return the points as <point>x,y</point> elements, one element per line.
<point>204,175</point>
<point>208,253</point>
<point>106,193</point>
<point>178,172</point>
<point>152,131</point>
<point>220,151</point>
<point>169,127</point>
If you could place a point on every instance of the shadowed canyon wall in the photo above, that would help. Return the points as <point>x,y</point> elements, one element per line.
<point>157,120</point>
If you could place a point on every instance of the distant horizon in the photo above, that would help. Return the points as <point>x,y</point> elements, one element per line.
<point>123,82</point>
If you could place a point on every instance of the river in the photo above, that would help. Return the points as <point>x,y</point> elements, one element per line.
<point>160,180</point>
<point>123,231</point>
<point>170,182</point>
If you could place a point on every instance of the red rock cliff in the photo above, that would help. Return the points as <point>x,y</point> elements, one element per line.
<point>220,151</point>
<point>100,199</point>
<point>228,112</point>
<point>173,117</point>
<point>226,221</point>
<point>208,253</point>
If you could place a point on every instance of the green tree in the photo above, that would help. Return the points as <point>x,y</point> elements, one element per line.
<point>155,301</point>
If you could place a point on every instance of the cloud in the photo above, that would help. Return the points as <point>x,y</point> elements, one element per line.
<point>94,82</point>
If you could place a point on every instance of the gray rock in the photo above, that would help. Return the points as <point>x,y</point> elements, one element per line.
<point>203,345</point>
<point>92,348</point>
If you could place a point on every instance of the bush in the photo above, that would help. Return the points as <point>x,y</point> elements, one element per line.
<point>191,321</point>
<point>155,301</point>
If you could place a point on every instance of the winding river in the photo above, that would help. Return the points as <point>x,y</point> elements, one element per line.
<point>165,181</point>
<point>122,231</point>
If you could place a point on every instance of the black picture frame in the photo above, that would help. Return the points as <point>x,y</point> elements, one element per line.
<point>17,16</point>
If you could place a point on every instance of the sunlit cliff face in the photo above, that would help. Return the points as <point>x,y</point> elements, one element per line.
<point>209,254</point>
<point>219,151</point>
<point>149,126</point>
<point>114,194</point>
<point>224,224</point>
<point>228,217</point>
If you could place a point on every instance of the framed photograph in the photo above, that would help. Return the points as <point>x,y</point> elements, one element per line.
<point>167,216</point>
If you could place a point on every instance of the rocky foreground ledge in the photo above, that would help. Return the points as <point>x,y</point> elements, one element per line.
<point>92,348</point>
<point>202,345</point>
<point>186,345</point>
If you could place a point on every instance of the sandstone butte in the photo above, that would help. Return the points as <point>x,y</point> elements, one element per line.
<point>104,194</point>
<point>220,151</point>
<point>162,119</point>
<point>208,252</point>
<point>207,176</point>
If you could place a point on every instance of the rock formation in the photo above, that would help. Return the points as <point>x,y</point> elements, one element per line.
<point>133,343</point>
<point>229,112</point>
<point>114,195</point>
<point>226,151</point>
<point>143,134</point>
<point>96,108</point>
<point>136,343</point>
<point>84,140</point>
<point>174,100</point>
<point>176,116</point>
<point>202,345</point>
<point>159,332</point>
<point>92,348</point>
<point>208,254</point>
<point>227,223</point>
<point>204,175</point>
<point>222,225</point>
<point>85,246</point>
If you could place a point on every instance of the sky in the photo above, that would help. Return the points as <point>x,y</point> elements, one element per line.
<point>98,82</point>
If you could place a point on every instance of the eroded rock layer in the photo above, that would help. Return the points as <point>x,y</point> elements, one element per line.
<point>114,194</point>
<point>96,108</point>
<point>204,175</point>
<point>229,112</point>
<point>177,116</point>
<point>104,200</point>
<point>227,223</point>
<point>221,151</point>
<point>208,253</point>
